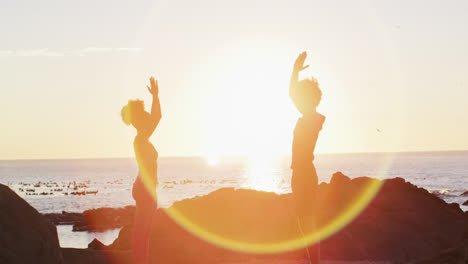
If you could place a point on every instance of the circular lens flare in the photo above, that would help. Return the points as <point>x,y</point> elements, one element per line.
<point>310,236</point>
<point>339,220</point>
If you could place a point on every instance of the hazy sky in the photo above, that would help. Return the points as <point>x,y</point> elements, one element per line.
<point>68,67</point>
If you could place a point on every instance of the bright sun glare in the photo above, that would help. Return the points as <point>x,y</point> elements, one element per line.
<point>262,176</point>
<point>211,159</point>
<point>254,113</point>
<point>254,117</point>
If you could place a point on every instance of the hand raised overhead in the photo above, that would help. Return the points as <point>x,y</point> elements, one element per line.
<point>154,86</point>
<point>299,64</point>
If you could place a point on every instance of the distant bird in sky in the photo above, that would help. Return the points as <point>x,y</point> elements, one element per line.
<point>378,130</point>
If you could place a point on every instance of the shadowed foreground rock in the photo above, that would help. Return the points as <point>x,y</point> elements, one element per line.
<point>94,220</point>
<point>25,235</point>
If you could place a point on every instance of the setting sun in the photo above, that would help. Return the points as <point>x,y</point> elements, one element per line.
<point>212,159</point>
<point>252,99</point>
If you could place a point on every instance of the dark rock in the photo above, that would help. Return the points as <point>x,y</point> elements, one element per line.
<point>339,178</point>
<point>456,207</point>
<point>80,227</point>
<point>91,256</point>
<point>464,194</point>
<point>101,219</point>
<point>123,242</point>
<point>97,245</point>
<point>452,255</point>
<point>25,235</point>
<point>65,218</point>
<point>466,202</point>
<point>403,223</point>
<point>95,220</point>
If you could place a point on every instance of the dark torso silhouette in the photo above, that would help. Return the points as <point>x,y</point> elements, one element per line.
<point>304,140</point>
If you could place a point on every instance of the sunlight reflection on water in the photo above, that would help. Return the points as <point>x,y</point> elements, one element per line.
<point>265,175</point>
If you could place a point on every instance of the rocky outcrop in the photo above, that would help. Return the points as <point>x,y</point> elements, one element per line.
<point>25,235</point>
<point>92,256</point>
<point>402,223</point>
<point>66,218</point>
<point>95,220</point>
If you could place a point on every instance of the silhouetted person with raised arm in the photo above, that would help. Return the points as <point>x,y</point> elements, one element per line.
<point>144,188</point>
<point>306,96</point>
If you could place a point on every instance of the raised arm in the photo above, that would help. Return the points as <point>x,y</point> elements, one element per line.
<point>294,92</point>
<point>155,115</point>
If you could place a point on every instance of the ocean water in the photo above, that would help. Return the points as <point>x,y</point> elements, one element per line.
<point>77,185</point>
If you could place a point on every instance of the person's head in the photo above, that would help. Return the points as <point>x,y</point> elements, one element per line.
<point>134,113</point>
<point>311,93</point>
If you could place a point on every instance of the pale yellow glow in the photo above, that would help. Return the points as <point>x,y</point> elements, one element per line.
<point>212,159</point>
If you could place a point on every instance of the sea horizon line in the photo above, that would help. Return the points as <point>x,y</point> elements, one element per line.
<point>240,156</point>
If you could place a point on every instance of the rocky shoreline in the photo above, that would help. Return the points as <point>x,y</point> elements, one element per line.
<point>94,220</point>
<point>402,224</point>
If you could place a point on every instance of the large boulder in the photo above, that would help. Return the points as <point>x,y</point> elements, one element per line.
<point>95,220</point>
<point>25,235</point>
<point>402,223</point>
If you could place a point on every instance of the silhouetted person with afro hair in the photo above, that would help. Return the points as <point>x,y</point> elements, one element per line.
<point>306,96</point>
